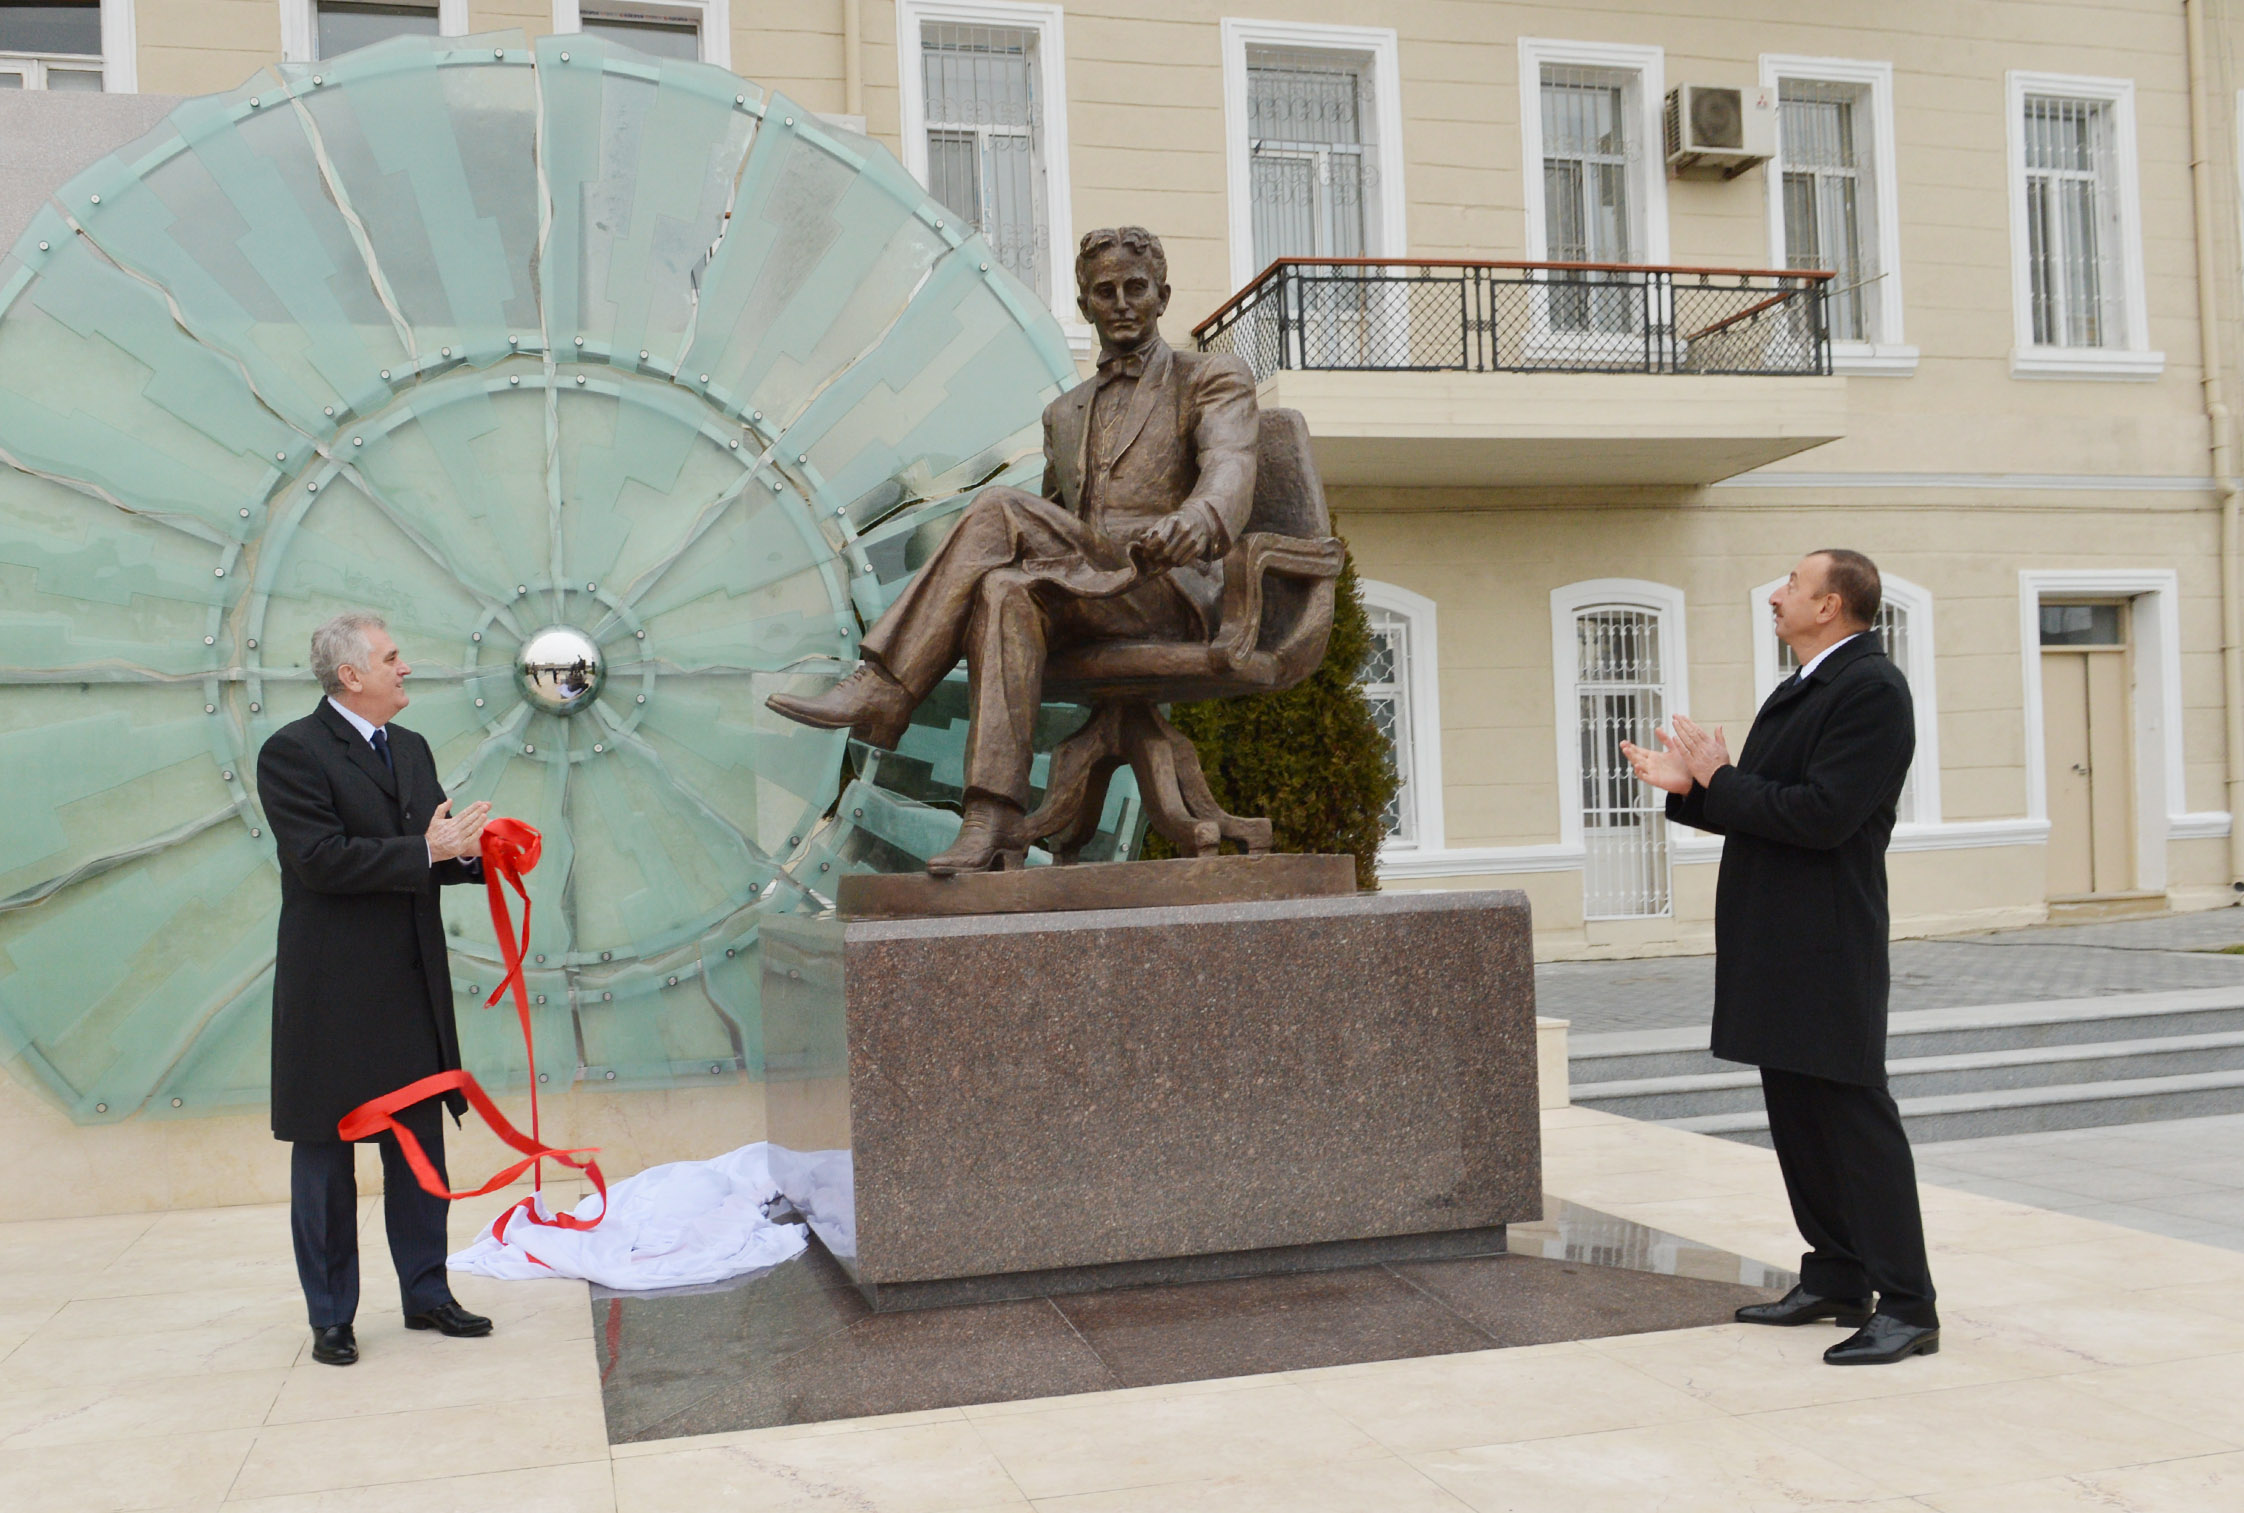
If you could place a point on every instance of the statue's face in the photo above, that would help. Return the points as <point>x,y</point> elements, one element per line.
<point>1122,298</point>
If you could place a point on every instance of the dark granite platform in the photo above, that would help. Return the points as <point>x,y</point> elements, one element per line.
<point>798,1344</point>
<point>1103,885</point>
<point>961,1099</point>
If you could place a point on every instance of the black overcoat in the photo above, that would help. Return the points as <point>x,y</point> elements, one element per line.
<point>362,993</point>
<point>1800,916</point>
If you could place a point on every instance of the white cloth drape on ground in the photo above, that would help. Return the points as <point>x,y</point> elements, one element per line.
<point>675,1225</point>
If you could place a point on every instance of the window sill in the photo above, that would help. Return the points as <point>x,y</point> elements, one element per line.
<point>1862,359</point>
<point>2091,363</point>
<point>1082,340</point>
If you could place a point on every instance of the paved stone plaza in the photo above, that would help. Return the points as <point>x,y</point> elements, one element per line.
<point>2160,954</point>
<point>158,1361</point>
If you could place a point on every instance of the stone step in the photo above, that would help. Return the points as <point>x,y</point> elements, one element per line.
<point>2027,1110</point>
<point>1734,1091</point>
<point>1638,1055</point>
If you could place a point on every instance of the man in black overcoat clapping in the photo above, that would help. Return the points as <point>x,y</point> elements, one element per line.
<point>1800,932</point>
<point>362,994</point>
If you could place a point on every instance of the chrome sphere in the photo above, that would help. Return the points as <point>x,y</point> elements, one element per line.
<point>560,670</point>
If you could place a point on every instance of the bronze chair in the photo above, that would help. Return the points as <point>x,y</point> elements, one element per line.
<point>1278,581</point>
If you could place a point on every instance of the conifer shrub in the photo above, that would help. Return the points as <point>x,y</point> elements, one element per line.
<point>1311,758</point>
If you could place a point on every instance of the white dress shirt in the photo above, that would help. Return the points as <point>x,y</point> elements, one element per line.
<point>1814,662</point>
<point>366,729</point>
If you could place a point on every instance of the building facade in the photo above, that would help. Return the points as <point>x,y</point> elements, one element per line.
<point>1568,490</point>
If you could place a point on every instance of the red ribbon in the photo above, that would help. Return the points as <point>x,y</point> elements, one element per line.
<point>510,848</point>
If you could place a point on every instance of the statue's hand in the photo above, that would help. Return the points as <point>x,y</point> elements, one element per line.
<point>1180,538</point>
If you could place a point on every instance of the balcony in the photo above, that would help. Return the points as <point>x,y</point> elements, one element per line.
<point>1509,375</point>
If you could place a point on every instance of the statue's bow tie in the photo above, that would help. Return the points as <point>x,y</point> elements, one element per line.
<point>1122,364</point>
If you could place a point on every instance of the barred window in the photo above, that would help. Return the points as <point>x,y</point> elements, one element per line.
<point>1386,684</point>
<point>1590,149</point>
<point>1830,200</point>
<point>1308,117</point>
<point>52,46</point>
<point>1620,690</point>
<point>985,140</point>
<point>1892,630</point>
<point>2073,240</point>
<point>1591,154</point>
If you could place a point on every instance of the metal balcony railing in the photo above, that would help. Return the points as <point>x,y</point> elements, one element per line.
<point>1392,314</point>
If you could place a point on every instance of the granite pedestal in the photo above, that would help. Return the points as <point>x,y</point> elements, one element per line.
<point>1022,1104</point>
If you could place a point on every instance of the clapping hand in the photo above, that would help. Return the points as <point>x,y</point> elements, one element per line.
<point>454,835</point>
<point>1687,755</point>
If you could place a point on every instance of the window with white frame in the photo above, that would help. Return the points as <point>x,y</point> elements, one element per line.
<point>51,46</point>
<point>692,29</point>
<point>2072,224</point>
<point>2076,229</point>
<point>984,155</point>
<point>1311,166</point>
<point>984,106</point>
<point>1313,151</point>
<point>1904,632</point>
<point>1620,695</point>
<point>1619,668</point>
<point>1400,683</point>
<point>665,31</point>
<point>316,29</point>
<point>1832,201</point>
<point>1590,128</point>
<point>345,25</point>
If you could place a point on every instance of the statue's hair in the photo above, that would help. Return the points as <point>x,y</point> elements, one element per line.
<point>1131,239</point>
<point>343,642</point>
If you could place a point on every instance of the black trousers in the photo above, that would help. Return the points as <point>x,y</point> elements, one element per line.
<point>1853,1187</point>
<point>323,1219</point>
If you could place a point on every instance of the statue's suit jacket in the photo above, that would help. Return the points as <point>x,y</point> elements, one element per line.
<point>1187,442</point>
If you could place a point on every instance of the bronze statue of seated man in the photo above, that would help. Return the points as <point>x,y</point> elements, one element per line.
<point>1149,474</point>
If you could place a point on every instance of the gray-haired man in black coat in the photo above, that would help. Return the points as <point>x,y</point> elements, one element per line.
<point>1800,932</point>
<point>362,996</point>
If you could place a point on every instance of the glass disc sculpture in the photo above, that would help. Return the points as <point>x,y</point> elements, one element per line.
<point>626,392</point>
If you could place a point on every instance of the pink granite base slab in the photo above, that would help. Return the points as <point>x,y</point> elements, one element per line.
<point>1032,1092</point>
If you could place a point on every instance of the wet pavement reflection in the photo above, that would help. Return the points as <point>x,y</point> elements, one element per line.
<point>797,1343</point>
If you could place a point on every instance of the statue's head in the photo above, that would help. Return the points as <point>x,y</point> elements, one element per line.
<point>1122,284</point>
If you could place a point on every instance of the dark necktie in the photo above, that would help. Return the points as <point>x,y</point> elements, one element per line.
<point>382,747</point>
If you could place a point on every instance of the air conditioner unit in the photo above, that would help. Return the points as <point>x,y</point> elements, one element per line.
<point>1718,133</point>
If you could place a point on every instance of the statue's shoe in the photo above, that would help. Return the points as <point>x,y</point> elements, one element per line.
<point>988,841</point>
<point>869,704</point>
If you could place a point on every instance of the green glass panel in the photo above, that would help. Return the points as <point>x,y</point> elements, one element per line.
<point>487,340</point>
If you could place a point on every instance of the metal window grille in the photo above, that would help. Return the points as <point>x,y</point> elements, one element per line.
<point>1310,181</point>
<point>985,140</point>
<point>1620,695</point>
<point>2072,233</point>
<point>1591,153</point>
<point>1892,629</point>
<point>1829,204</point>
<point>1386,684</point>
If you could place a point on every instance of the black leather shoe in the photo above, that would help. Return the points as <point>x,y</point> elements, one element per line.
<point>451,1319</point>
<point>335,1345</point>
<point>1800,1306</point>
<point>1884,1340</point>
